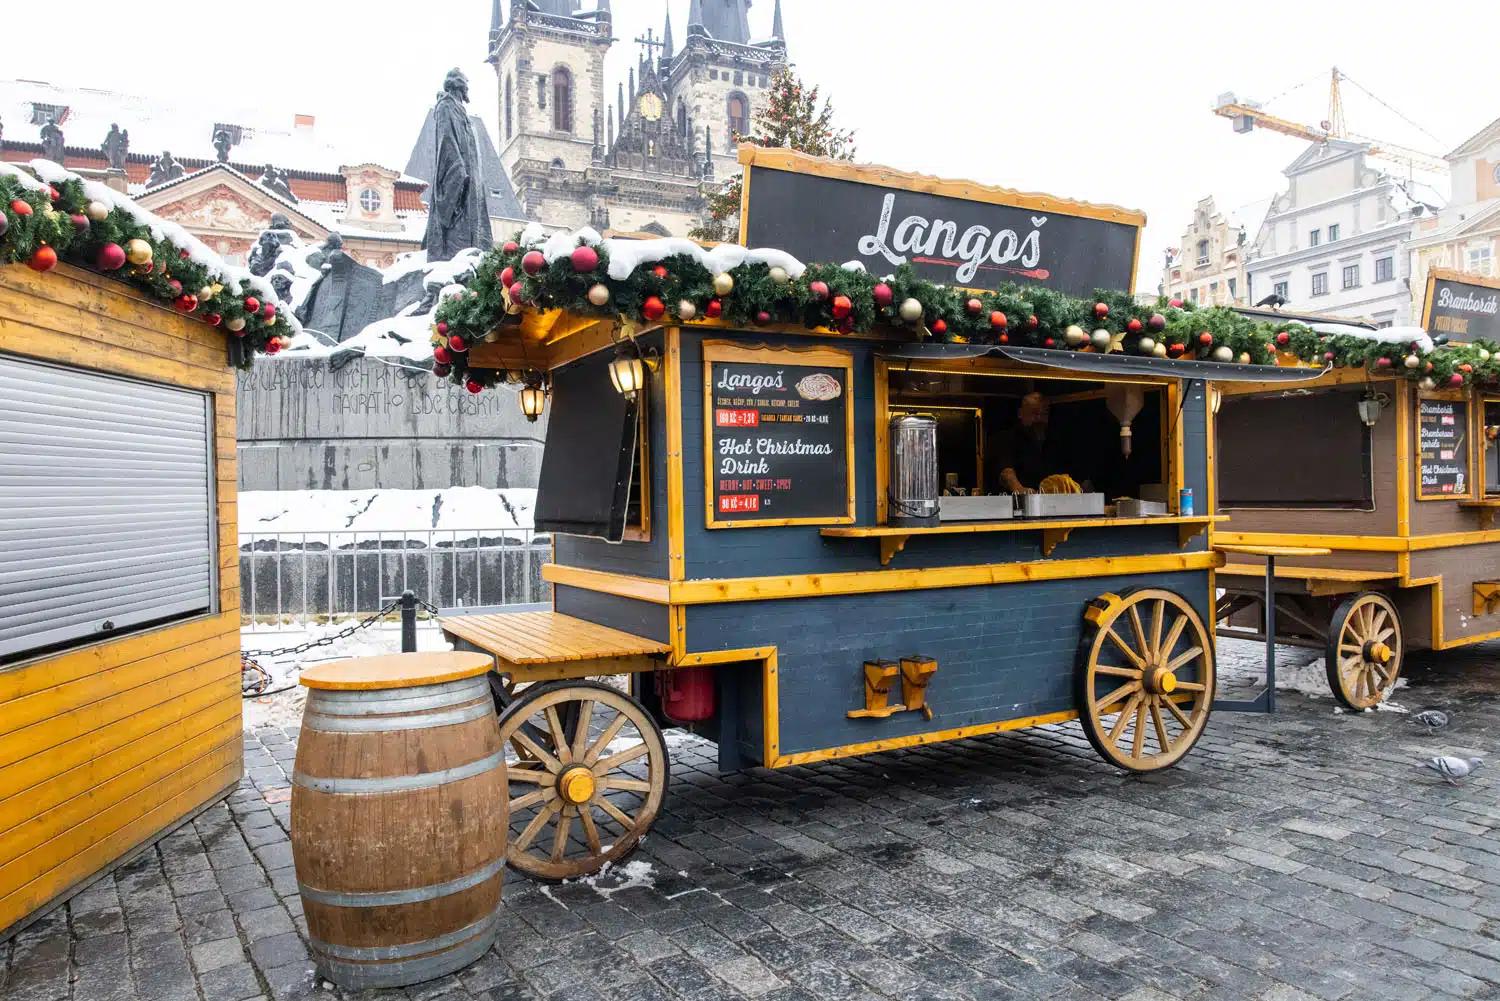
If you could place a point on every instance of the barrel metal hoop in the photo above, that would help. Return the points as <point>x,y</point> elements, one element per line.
<point>381,702</point>
<point>382,724</point>
<point>357,976</point>
<point>376,953</point>
<point>400,783</point>
<point>390,898</point>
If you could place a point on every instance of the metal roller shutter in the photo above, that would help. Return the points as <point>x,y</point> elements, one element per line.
<point>106,505</point>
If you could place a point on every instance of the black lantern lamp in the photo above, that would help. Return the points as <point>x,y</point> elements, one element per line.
<point>533,396</point>
<point>627,371</point>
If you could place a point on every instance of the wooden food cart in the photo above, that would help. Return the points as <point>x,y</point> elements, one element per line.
<point>1398,477</point>
<point>728,533</point>
<point>119,635</point>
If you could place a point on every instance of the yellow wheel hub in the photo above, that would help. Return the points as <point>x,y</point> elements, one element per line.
<point>576,786</point>
<point>1160,681</point>
<point>1382,653</point>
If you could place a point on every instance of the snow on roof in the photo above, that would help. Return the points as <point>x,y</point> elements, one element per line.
<point>627,255</point>
<point>183,126</point>
<point>237,280</point>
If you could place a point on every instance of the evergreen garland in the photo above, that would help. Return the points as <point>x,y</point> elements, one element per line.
<point>761,297</point>
<point>59,223</point>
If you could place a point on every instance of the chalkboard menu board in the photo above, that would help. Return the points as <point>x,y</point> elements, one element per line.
<point>1442,449</point>
<point>780,431</point>
<point>1464,311</point>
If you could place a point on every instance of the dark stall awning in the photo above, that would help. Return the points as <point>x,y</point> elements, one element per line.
<point>1106,364</point>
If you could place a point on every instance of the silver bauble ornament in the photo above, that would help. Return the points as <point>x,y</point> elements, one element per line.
<point>1484,355</point>
<point>599,294</point>
<point>97,211</point>
<point>723,284</point>
<point>1102,339</point>
<point>1146,345</point>
<point>686,310</point>
<point>1426,383</point>
<point>236,324</point>
<point>1222,354</point>
<point>1412,361</point>
<point>779,276</point>
<point>911,310</point>
<point>1074,335</point>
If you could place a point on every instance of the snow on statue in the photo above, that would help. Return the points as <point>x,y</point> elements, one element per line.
<point>458,217</point>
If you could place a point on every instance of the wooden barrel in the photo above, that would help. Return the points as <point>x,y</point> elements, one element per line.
<point>399,817</point>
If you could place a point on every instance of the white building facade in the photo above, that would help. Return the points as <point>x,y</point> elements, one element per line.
<point>1465,236</point>
<point>1334,242</point>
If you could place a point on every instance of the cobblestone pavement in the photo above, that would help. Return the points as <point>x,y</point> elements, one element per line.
<point>1293,857</point>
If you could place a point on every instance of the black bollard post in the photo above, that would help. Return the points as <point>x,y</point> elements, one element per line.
<point>409,622</point>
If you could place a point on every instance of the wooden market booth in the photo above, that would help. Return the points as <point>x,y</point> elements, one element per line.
<point>120,707</point>
<point>731,537</point>
<point>1400,482</point>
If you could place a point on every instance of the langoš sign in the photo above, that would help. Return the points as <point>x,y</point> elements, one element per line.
<point>954,232</point>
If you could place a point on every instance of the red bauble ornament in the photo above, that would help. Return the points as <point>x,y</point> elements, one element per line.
<point>1176,349</point>
<point>1328,356</point>
<point>660,271</point>
<point>273,345</point>
<point>458,344</point>
<point>1004,338</point>
<point>998,320</point>
<point>1156,321</point>
<point>762,318</point>
<point>53,193</point>
<point>148,267</point>
<point>80,221</point>
<point>533,263</point>
<point>473,387</point>
<point>20,208</point>
<point>846,325</point>
<point>441,371</point>
<point>212,319</point>
<point>1031,323</point>
<point>585,259</point>
<point>185,303</point>
<point>1455,379</point>
<point>974,306</point>
<point>1283,339</point>
<point>511,246</point>
<point>882,295</point>
<point>1175,303</point>
<point>714,309</point>
<point>1382,363</point>
<point>182,255</point>
<point>940,326</point>
<point>252,304</point>
<point>841,307</point>
<point>1205,338</point>
<point>819,290</point>
<point>1049,343</point>
<point>268,311</point>
<point>111,257</point>
<point>1466,368</point>
<point>653,308</point>
<point>508,277</point>
<point>442,327</point>
<point>1134,326</point>
<point>45,259</point>
<point>1101,309</point>
<point>441,354</point>
<point>515,291</point>
<point>175,286</point>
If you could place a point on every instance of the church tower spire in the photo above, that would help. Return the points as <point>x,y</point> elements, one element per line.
<point>666,38</point>
<point>695,19</point>
<point>777,31</point>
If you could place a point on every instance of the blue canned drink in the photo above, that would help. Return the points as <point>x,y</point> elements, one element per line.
<point>1185,502</point>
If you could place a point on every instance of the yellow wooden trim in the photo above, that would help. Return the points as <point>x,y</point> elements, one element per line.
<point>824,357</point>
<point>698,592</point>
<point>642,531</point>
<point>770,674</point>
<point>744,205</point>
<point>395,671</point>
<point>1453,275</point>
<point>1135,256</point>
<point>575,669</point>
<point>677,633</point>
<point>1364,543</point>
<point>676,500</point>
<point>882,440</point>
<point>626,586</point>
<point>918,739</point>
<point>1211,469</point>
<point>1004,367</point>
<point>1451,396</point>
<point>1176,475</point>
<point>800,163</point>
<point>1427,299</point>
<point>1333,377</point>
<point>1404,466</point>
<point>709,657</point>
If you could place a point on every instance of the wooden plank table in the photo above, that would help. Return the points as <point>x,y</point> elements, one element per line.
<point>542,646</point>
<point>1319,581</point>
<point>1266,700</point>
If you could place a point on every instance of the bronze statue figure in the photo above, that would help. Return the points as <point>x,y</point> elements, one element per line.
<point>458,216</point>
<point>116,147</point>
<point>52,143</point>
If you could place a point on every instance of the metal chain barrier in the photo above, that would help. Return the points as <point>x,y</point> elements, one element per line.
<point>250,659</point>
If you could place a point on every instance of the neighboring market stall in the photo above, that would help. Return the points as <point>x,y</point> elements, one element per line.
<point>119,639</point>
<point>808,510</point>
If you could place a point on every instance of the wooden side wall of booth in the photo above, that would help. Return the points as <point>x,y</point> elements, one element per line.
<point>111,744</point>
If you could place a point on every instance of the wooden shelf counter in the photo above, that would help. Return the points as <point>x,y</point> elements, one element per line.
<point>1054,531</point>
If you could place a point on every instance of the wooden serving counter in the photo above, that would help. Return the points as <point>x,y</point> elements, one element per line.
<point>1054,530</point>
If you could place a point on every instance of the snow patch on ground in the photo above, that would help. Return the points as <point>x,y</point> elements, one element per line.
<point>612,878</point>
<point>345,512</point>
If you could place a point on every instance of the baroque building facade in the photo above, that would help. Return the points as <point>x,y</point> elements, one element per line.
<point>1208,266</point>
<point>647,158</point>
<point>1465,236</point>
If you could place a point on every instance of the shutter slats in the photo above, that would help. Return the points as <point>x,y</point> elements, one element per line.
<point>105,505</point>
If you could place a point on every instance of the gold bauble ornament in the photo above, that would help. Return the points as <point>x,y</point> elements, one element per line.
<point>1074,335</point>
<point>1160,350</point>
<point>599,294</point>
<point>236,324</point>
<point>1484,355</point>
<point>1146,345</point>
<point>1426,383</point>
<point>779,276</point>
<point>1244,357</point>
<point>911,310</point>
<point>723,284</point>
<point>206,292</point>
<point>686,310</point>
<point>97,211</point>
<point>138,252</point>
<point>1102,339</point>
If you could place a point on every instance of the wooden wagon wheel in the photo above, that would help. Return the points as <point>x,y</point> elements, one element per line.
<point>1365,650</point>
<point>588,772</point>
<point>1145,678</point>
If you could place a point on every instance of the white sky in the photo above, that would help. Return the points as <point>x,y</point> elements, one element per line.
<point>1100,101</point>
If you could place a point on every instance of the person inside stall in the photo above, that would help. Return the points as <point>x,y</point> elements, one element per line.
<point>1025,453</point>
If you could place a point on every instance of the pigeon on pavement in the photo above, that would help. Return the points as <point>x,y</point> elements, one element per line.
<point>1450,768</point>
<point>1432,719</point>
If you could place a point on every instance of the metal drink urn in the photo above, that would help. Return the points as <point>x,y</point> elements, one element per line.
<point>913,496</point>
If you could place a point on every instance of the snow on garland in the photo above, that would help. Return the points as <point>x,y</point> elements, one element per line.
<point>58,216</point>
<point>674,280</point>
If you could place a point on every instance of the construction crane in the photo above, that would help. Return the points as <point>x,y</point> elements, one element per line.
<point>1247,116</point>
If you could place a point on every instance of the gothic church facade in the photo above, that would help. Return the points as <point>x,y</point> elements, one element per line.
<point>647,158</point>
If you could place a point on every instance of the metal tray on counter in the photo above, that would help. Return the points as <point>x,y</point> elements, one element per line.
<point>996,508</point>
<point>1061,505</point>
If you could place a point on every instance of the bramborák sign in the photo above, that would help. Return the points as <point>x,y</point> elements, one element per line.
<point>953,232</point>
<point>1463,310</point>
